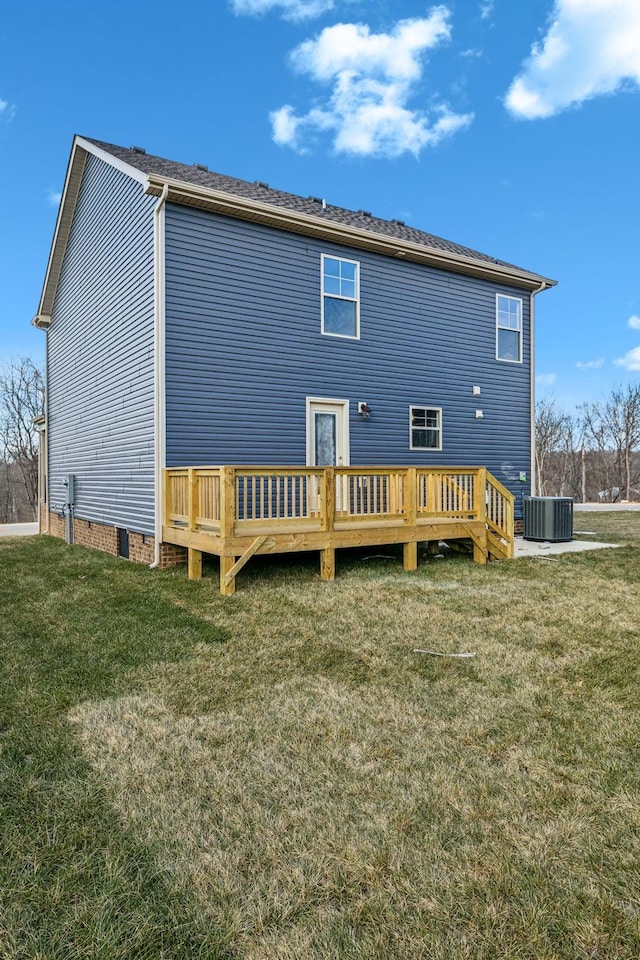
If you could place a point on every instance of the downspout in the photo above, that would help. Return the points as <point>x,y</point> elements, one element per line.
<point>159,356</point>
<point>45,455</point>
<point>534,478</point>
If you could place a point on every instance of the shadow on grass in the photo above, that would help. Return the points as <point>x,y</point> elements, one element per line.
<point>74,882</point>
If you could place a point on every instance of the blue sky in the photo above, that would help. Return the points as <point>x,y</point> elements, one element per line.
<point>513,128</point>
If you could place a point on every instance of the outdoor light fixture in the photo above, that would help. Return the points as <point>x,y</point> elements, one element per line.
<point>364,410</point>
<point>479,414</point>
<point>475,391</point>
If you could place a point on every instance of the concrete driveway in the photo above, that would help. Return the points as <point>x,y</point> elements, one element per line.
<point>601,507</point>
<point>18,529</point>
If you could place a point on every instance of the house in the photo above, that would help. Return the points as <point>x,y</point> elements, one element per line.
<point>193,318</point>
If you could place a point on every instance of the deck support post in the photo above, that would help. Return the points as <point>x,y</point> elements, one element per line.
<point>328,554</point>
<point>227,527</point>
<point>194,563</point>
<point>227,584</point>
<point>479,555</point>
<point>410,555</point>
<point>410,550</point>
<point>328,564</point>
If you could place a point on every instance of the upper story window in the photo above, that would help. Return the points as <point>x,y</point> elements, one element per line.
<point>340,297</point>
<point>425,428</point>
<point>509,328</point>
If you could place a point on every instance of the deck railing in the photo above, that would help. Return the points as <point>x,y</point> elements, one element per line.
<point>238,501</point>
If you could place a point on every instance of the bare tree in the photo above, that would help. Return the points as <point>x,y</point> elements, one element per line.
<point>622,415</point>
<point>21,399</point>
<point>555,447</point>
<point>613,430</point>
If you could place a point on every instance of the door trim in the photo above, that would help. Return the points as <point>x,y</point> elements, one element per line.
<point>312,402</point>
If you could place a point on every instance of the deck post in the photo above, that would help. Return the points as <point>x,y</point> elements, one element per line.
<point>227,525</point>
<point>481,551</point>
<point>410,555</point>
<point>194,563</point>
<point>481,494</point>
<point>410,548</point>
<point>481,554</point>
<point>193,494</point>
<point>411,496</point>
<point>328,554</point>
<point>167,492</point>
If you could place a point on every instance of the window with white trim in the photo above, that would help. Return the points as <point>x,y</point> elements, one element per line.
<point>340,297</point>
<point>508,328</point>
<point>425,428</point>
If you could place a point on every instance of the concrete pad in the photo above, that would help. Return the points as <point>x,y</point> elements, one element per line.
<point>535,548</point>
<point>18,529</point>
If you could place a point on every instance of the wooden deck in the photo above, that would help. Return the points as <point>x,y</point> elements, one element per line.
<point>237,512</point>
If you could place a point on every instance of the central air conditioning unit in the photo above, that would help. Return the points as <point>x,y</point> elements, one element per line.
<point>548,518</point>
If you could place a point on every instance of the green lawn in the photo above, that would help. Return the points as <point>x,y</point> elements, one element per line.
<point>278,775</point>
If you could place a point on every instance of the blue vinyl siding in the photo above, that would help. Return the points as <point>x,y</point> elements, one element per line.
<point>100,355</point>
<point>244,350</point>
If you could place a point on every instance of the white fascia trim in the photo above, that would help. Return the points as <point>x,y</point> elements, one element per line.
<point>532,374</point>
<point>283,218</point>
<point>159,326</point>
<point>130,171</point>
<point>46,431</point>
<point>70,169</point>
<point>75,168</point>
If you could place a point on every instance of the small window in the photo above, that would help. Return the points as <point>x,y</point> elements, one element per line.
<point>509,329</point>
<point>425,428</point>
<point>340,297</point>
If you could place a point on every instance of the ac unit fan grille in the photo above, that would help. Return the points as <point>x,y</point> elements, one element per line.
<point>548,518</point>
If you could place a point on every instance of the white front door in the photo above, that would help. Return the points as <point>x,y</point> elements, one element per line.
<point>327,432</point>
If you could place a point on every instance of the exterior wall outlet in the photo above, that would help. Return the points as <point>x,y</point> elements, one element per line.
<point>479,414</point>
<point>475,391</point>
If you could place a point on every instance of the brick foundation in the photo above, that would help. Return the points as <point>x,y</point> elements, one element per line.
<point>171,555</point>
<point>56,525</point>
<point>104,537</point>
<point>98,536</point>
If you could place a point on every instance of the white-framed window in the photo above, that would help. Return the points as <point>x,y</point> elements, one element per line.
<point>508,328</point>
<point>340,297</point>
<point>425,428</point>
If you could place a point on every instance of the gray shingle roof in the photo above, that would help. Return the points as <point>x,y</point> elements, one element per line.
<point>312,206</point>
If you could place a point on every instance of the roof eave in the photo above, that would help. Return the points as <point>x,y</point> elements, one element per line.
<point>244,208</point>
<point>75,169</point>
<point>41,321</point>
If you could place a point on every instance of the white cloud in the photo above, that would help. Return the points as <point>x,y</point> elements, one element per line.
<point>592,47</point>
<point>486,9</point>
<point>54,197</point>
<point>291,9</point>
<point>590,364</point>
<point>634,322</point>
<point>372,77</point>
<point>630,361</point>
<point>546,379</point>
<point>7,110</point>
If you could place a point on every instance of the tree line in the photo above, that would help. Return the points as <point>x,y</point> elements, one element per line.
<point>592,453</point>
<point>21,401</point>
